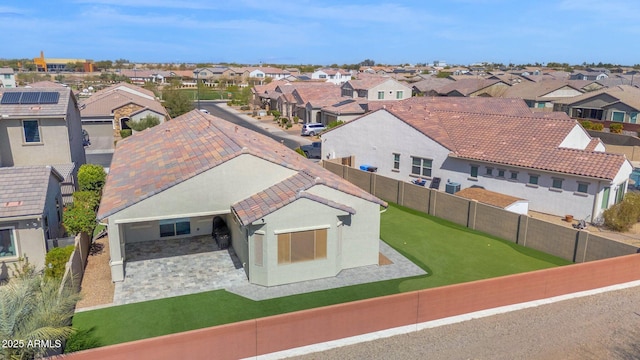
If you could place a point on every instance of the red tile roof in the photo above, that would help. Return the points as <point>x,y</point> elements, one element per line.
<point>156,159</point>
<point>513,137</point>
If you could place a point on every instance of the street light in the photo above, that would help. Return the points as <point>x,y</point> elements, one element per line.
<point>196,71</point>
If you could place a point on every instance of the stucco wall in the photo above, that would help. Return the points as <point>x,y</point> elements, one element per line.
<point>51,211</point>
<point>53,148</point>
<point>30,243</point>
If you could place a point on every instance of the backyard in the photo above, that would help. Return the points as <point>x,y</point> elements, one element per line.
<point>448,252</point>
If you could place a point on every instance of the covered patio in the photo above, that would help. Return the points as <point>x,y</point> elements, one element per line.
<point>165,268</point>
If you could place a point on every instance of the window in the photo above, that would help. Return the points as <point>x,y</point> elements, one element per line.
<point>556,183</point>
<point>322,76</point>
<point>500,173</point>
<point>489,172</point>
<point>380,95</point>
<point>7,242</point>
<point>396,161</point>
<point>420,166</point>
<point>31,131</point>
<point>7,76</point>
<point>302,246</point>
<point>620,192</point>
<point>617,116</point>
<point>474,171</point>
<point>583,187</point>
<point>399,94</point>
<point>175,227</point>
<point>541,105</point>
<point>633,117</point>
<point>605,198</point>
<point>514,175</point>
<point>533,179</point>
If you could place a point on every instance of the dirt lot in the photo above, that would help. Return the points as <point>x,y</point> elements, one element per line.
<point>97,287</point>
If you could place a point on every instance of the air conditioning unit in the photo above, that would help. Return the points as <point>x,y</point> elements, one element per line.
<point>452,187</point>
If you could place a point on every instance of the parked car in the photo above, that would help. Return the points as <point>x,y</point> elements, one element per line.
<point>312,151</point>
<point>312,129</point>
<point>221,233</point>
<point>204,111</point>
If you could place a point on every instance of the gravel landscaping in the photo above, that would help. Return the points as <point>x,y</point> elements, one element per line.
<point>97,287</point>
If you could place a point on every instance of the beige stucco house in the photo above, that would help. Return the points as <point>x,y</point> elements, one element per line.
<point>42,126</point>
<point>30,214</point>
<point>290,219</point>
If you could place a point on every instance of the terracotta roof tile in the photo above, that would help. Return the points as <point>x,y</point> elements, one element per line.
<point>158,158</point>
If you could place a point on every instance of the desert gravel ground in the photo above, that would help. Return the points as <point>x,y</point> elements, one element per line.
<point>97,288</point>
<point>602,326</point>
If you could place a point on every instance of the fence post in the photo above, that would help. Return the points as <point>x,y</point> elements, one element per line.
<point>471,214</point>
<point>433,195</point>
<point>521,236</point>
<point>400,195</point>
<point>582,242</point>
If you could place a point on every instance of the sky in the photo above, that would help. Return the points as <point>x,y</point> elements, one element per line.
<point>323,32</point>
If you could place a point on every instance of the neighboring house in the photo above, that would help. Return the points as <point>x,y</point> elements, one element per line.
<point>615,104</point>
<point>7,78</point>
<point>542,94</point>
<point>107,111</point>
<point>311,99</point>
<point>42,126</point>
<point>336,76</point>
<point>427,86</point>
<point>345,110</point>
<point>290,219</point>
<point>547,159</point>
<point>470,87</point>
<point>30,214</point>
<point>142,76</point>
<point>375,88</point>
<point>592,75</point>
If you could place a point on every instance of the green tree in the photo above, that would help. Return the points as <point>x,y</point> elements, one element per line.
<point>91,177</point>
<point>177,102</point>
<point>103,64</point>
<point>144,123</point>
<point>33,309</point>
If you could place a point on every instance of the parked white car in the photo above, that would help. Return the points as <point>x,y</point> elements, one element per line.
<point>312,129</point>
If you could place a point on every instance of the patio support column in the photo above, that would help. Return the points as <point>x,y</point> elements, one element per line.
<point>117,262</point>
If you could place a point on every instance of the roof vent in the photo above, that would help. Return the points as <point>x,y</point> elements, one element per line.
<point>12,203</point>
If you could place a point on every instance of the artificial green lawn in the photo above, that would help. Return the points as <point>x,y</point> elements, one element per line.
<point>448,252</point>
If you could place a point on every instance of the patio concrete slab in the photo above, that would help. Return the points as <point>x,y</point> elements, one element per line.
<point>167,268</point>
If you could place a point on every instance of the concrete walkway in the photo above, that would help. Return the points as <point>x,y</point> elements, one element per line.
<point>167,268</point>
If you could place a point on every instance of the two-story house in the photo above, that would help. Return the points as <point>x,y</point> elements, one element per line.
<point>7,78</point>
<point>375,88</point>
<point>336,76</point>
<point>42,126</point>
<point>498,144</point>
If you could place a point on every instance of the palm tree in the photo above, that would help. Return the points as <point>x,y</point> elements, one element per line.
<point>35,315</point>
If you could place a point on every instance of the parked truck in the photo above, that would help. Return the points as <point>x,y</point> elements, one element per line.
<point>312,151</point>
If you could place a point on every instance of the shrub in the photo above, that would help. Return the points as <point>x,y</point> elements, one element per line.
<point>276,114</point>
<point>77,219</point>
<point>82,340</point>
<point>245,107</point>
<point>125,133</point>
<point>296,119</point>
<point>55,261</point>
<point>597,126</point>
<point>334,124</point>
<point>616,128</point>
<point>91,177</point>
<point>144,123</point>
<point>586,124</point>
<point>621,216</point>
<point>299,151</point>
<point>88,199</point>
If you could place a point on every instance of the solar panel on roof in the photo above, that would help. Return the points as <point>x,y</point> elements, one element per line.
<point>11,98</point>
<point>30,97</point>
<point>49,97</point>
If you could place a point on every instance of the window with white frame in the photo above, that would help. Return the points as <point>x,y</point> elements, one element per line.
<point>175,227</point>
<point>301,246</point>
<point>399,94</point>
<point>633,117</point>
<point>421,166</point>
<point>380,95</point>
<point>31,131</point>
<point>396,161</point>
<point>8,242</point>
<point>617,116</point>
